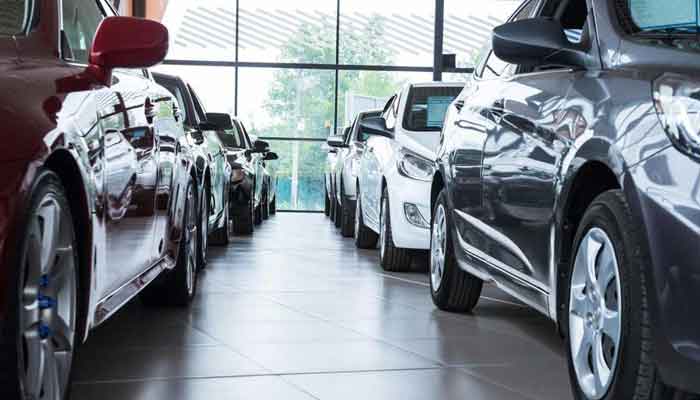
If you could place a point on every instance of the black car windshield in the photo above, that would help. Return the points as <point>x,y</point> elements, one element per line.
<point>426,107</point>
<point>665,16</point>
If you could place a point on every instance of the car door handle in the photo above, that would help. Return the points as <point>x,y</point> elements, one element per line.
<point>488,167</point>
<point>371,149</point>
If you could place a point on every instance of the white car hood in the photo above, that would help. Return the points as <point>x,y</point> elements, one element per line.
<point>424,143</point>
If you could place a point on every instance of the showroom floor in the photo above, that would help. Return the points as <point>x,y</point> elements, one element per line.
<point>296,312</point>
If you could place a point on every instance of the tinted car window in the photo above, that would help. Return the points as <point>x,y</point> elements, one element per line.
<point>230,137</point>
<point>426,107</point>
<point>14,15</point>
<point>176,91</point>
<point>80,21</point>
<point>198,107</point>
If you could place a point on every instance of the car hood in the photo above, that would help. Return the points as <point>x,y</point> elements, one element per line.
<point>423,143</point>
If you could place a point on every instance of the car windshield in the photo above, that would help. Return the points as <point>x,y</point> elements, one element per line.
<point>229,138</point>
<point>14,15</point>
<point>665,16</point>
<point>426,107</point>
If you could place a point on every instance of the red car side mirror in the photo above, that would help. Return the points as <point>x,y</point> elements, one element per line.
<point>126,42</point>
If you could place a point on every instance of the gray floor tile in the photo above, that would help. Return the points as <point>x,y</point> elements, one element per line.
<point>442,384</point>
<point>367,355</point>
<point>184,362</point>
<point>244,388</point>
<point>302,314</point>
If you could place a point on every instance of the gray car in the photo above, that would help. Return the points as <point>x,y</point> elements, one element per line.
<point>569,176</point>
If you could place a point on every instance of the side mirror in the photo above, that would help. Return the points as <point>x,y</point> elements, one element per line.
<point>271,156</point>
<point>376,126</point>
<point>337,141</point>
<point>126,42</point>
<point>221,120</point>
<point>261,146</point>
<point>536,41</point>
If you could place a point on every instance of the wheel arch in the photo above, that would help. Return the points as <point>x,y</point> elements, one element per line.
<point>64,165</point>
<point>589,180</point>
<point>435,189</point>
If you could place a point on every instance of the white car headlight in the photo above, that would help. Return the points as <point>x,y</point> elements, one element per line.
<point>677,102</point>
<point>416,166</point>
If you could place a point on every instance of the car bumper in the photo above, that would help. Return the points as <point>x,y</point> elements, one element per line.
<point>409,192</point>
<point>664,193</point>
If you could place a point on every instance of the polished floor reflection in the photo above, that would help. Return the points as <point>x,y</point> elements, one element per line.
<point>298,313</point>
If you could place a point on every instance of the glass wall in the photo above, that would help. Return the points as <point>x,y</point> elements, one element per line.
<point>296,72</point>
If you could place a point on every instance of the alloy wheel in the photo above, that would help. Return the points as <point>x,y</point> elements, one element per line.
<point>49,302</point>
<point>190,241</point>
<point>438,247</point>
<point>595,311</point>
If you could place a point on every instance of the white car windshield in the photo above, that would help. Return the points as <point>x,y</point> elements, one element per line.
<point>427,106</point>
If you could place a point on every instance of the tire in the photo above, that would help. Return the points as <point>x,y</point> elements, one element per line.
<point>243,221</point>
<point>266,207</point>
<point>223,236</point>
<point>337,218</point>
<point>347,218</point>
<point>29,286</point>
<point>392,258</point>
<point>332,209</point>
<point>257,215</point>
<point>179,286</point>
<point>365,238</point>
<point>451,288</point>
<point>273,206</point>
<point>633,371</point>
<point>327,204</point>
<point>203,229</point>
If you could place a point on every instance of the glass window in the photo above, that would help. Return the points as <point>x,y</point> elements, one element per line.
<point>215,86</point>
<point>653,15</point>
<point>287,103</point>
<point>468,28</point>
<point>198,107</point>
<point>14,16</point>
<point>287,31</point>
<point>388,32</point>
<point>175,90</point>
<point>80,22</point>
<point>199,30</point>
<point>299,174</point>
<point>360,91</point>
<point>426,107</point>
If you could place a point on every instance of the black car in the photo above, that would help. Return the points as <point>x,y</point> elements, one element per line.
<point>213,171</point>
<point>248,195</point>
<point>568,175</point>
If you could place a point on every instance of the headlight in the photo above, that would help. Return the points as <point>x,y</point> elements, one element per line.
<point>677,102</point>
<point>415,166</point>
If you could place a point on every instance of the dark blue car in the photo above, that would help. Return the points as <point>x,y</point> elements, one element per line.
<point>569,176</point>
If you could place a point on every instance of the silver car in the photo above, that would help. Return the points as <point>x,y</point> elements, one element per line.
<point>349,150</point>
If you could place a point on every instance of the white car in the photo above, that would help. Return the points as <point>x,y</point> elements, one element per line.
<point>396,170</point>
<point>343,173</point>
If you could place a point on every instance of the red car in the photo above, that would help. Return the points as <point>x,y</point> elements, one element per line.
<point>97,189</point>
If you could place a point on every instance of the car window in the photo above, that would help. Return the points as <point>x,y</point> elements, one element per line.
<point>80,21</point>
<point>493,67</point>
<point>657,24</point>
<point>198,107</point>
<point>15,16</point>
<point>174,88</point>
<point>426,107</point>
<point>230,137</point>
<point>246,137</point>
